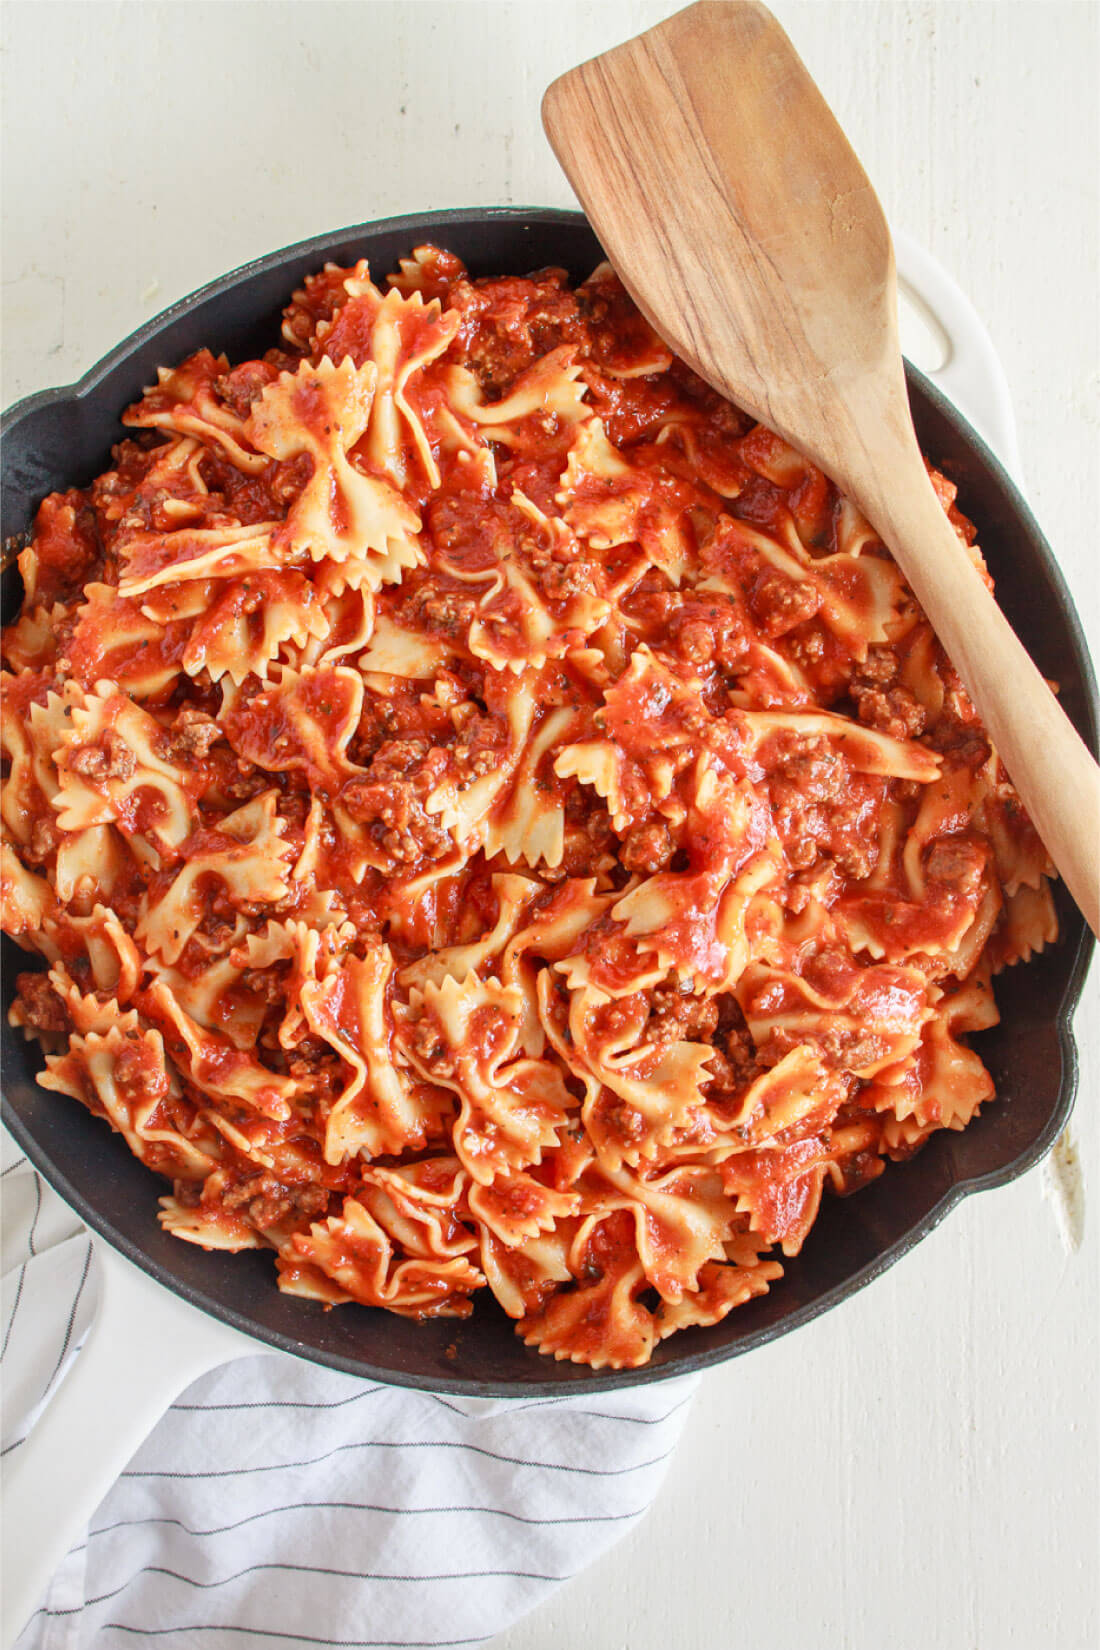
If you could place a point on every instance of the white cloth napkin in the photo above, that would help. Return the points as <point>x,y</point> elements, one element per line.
<point>282,1504</point>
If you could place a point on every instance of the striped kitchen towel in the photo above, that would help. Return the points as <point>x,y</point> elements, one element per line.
<point>281,1504</point>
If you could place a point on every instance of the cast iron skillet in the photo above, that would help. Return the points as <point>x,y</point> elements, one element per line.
<point>63,438</point>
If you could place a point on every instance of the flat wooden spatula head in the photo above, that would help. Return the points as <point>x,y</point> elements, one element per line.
<point>734,210</point>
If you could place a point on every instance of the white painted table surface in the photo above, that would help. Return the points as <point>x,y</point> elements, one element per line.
<point>916,1470</point>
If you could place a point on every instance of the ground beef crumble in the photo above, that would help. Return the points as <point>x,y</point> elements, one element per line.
<point>112,759</point>
<point>43,1009</point>
<point>270,1201</point>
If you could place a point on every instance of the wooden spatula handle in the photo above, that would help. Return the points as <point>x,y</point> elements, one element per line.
<point>1058,781</point>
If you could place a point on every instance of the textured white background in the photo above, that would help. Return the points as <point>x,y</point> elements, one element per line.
<point>916,1471</point>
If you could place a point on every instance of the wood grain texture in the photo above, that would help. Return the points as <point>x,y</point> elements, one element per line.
<point>750,236</point>
<point>736,229</point>
<point>915,1471</point>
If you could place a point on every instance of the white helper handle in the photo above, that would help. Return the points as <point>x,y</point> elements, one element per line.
<point>146,1345</point>
<point>972,376</point>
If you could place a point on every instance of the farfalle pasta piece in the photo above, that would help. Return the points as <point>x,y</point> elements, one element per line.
<point>122,1075</point>
<point>342,515</point>
<point>602,1324</point>
<point>514,895</point>
<point>110,961</point>
<point>603,495</point>
<point>552,933</point>
<point>1021,859</point>
<point>681,1221</point>
<point>335,847</point>
<point>33,723</point>
<point>354,1251</point>
<point>517,627</point>
<point>213,1064</point>
<point>640,1092</point>
<point>601,1321</point>
<point>349,619</point>
<point>516,1207</point>
<point>797,1094</point>
<point>652,734</point>
<point>429,270</point>
<point>463,804</point>
<point>111,772</point>
<point>209,1225</point>
<point>779,1191</point>
<point>522,1276</point>
<point>316,711</point>
<point>858,598</point>
<point>748,1270</point>
<point>1030,924</point>
<point>184,401</point>
<point>422,1207</point>
<point>867,1018</point>
<point>90,865</point>
<point>295,1186</point>
<point>246,854</point>
<point>698,922</point>
<point>242,629</point>
<point>400,335</point>
<point>312,951</point>
<point>864,750</point>
<point>721,1288</point>
<point>509,584</point>
<point>53,1006</point>
<point>552,389</point>
<point>30,643</point>
<point>216,998</point>
<point>316,301</point>
<point>151,561</point>
<point>465,1037</point>
<point>945,1083</point>
<point>609,502</point>
<point>528,825</point>
<point>26,900</point>
<point>377,1112</point>
<point>115,639</point>
<point>955,796</point>
<point>395,651</point>
<point>935,890</point>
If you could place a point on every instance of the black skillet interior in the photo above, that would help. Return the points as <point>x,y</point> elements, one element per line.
<point>63,438</point>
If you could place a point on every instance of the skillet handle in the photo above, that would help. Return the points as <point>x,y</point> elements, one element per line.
<point>144,1347</point>
<point>972,375</point>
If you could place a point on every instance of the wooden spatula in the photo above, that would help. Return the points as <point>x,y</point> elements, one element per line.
<point>739,219</point>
